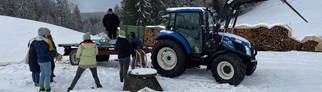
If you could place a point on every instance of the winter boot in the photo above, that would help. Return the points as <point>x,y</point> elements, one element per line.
<point>48,90</point>
<point>42,90</point>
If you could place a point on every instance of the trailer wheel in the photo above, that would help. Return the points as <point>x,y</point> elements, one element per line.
<point>168,58</point>
<point>228,68</point>
<point>72,57</point>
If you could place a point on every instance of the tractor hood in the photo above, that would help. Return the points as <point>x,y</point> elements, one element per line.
<point>235,38</point>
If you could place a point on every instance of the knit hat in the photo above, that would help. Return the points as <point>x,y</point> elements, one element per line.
<point>42,31</point>
<point>110,10</point>
<point>122,34</point>
<point>87,36</point>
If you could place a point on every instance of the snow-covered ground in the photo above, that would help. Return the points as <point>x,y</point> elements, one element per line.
<point>275,12</point>
<point>277,71</point>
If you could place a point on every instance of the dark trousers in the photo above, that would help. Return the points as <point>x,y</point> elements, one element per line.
<point>35,77</point>
<point>124,67</point>
<point>52,69</point>
<point>80,71</point>
<point>112,34</point>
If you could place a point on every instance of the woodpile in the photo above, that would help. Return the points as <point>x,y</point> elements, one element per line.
<point>149,34</point>
<point>276,38</point>
<point>312,43</point>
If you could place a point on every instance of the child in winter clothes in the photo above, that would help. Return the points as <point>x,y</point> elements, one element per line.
<point>86,52</point>
<point>124,50</point>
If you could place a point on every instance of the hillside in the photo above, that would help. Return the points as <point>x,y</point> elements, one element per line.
<point>15,34</point>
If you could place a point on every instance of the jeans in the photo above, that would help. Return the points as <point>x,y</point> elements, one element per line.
<point>80,71</point>
<point>124,67</point>
<point>44,80</point>
<point>35,77</point>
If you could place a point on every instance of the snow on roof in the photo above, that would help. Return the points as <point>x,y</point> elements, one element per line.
<point>186,9</point>
<point>156,26</point>
<point>143,71</point>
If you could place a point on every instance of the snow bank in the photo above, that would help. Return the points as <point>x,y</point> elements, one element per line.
<point>15,34</point>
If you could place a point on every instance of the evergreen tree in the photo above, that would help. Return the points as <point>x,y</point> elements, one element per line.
<point>129,16</point>
<point>158,10</point>
<point>77,19</point>
<point>143,12</point>
<point>64,12</point>
<point>117,10</point>
<point>1,9</point>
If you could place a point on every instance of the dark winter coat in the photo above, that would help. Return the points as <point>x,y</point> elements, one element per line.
<point>38,53</point>
<point>136,43</point>
<point>111,22</point>
<point>123,48</point>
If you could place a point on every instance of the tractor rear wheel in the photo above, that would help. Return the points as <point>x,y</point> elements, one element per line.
<point>168,58</point>
<point>228,68</point>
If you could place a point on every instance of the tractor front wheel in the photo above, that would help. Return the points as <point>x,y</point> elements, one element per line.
<point>228,68</point>
<point>168,58</point>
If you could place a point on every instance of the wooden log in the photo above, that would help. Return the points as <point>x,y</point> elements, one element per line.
<point>140,78</point>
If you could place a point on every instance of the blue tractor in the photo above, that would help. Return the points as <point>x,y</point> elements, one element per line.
<point>192,38</point>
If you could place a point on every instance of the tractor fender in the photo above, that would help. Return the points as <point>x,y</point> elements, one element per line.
<point>223,51</point>
<point>175,36</point>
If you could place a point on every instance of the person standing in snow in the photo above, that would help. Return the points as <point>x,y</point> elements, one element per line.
<point>53,54</point>
<point>124,51</point>
<point>111,21</point>
<point>138,55</point>
<point>86,52</point>
<point>33,63</point>
<point>39,54</point>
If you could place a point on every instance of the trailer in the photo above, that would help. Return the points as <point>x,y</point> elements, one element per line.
<point>106,48</point>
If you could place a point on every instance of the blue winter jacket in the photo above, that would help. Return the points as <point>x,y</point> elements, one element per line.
<point>38,53</point>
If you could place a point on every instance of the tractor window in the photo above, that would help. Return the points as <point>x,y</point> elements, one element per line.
<point>189,21</point>
<point>171,21</point>
<point>188,25</point>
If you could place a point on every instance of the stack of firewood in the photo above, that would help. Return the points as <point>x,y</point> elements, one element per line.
<point>149,34</point>
<point>276,38</point>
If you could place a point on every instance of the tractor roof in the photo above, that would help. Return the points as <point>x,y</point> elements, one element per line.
<point>185,9</point>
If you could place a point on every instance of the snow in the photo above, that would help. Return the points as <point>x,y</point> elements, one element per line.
<point>185,8</point>
<point>276,72</point>
<point>274,11</point>
<point>143,71</point>
<point>292,71</point>
<point>15,34</point>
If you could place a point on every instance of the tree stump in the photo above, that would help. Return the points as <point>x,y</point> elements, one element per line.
<point>140,78</point>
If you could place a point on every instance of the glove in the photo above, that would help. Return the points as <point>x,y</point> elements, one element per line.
<point>59,57</point>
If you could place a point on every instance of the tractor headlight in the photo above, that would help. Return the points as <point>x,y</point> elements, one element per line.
<point>248,51</point>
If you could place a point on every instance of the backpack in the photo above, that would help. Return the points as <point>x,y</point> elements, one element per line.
<point>26,58</point>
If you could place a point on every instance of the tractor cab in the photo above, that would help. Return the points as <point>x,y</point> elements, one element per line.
<point>192,23</point>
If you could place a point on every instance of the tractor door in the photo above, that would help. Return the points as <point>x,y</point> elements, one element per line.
<point>188,25</point>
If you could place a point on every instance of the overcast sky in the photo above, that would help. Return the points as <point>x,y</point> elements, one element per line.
<point>86,6</point>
